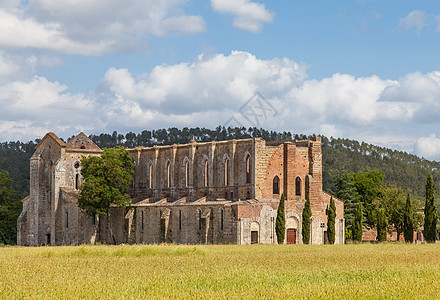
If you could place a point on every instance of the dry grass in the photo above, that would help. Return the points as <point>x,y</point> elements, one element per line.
<point>237,272</point>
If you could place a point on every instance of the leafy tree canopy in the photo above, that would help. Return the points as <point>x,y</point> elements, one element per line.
<point>105,180</point>
<point>10,208</point>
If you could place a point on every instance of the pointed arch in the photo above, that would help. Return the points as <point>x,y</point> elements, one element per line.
<point>186,172</point>
<point>205,172</point>
<point>298,186</point>
<point>226,170</point>
<point>150,175</point>
<point>168,174</point>
<point>248,168</point>
<point>307,186</point>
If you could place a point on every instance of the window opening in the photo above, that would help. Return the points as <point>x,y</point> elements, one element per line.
<point>298,186</point>
<point>248,169</point>
<point>276,183</point>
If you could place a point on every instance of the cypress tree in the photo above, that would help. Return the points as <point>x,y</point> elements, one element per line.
<point>306,215</point>
<point>430,223</point>
<point>408,230</point>
<point>381,226</point>
<point>280,223</point>
<point>357,224</point>
<point>331,216</point>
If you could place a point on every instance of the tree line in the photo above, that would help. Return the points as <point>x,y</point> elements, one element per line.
<point>349,167</point>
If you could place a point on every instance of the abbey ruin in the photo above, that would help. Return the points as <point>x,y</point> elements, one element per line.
<point>224,192</point>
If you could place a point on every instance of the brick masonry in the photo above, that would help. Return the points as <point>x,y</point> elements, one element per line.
<point>215,192</point>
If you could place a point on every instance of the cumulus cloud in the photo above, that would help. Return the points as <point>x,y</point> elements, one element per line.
<point>247,15</point>
<point>90,27</point>
<point>214,89</point>
<point>428,147</point>
<point>416,19</point>
<point>196,86</point>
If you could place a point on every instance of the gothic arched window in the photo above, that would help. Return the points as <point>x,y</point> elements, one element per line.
<point>307,186</point>
<point>298,186</point>
<point>187,174</point>
<point>150,176</point>
<point>248,169</point>
<point>226,179</point>
<point>168,174</point>
<point>276,185</point>
<point>205,174</point>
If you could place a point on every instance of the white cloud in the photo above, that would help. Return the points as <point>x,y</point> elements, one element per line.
<point>22,130</point>
<point>91,27</point>
<point>200,85</point>
<point>416,19</point>
<point>212,88</point>
<point>428,147</point>
<point>248,15</point>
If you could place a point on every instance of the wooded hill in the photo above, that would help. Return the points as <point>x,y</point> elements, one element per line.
<point>339,155</point>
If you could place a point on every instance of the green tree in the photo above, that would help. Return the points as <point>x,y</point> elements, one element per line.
<point>306,215</point>
<point>408,229</point>
<point>392,201</point>
<point>430,223</point>
<point>280,223</point>
<point>381,226</point>
<point>369,187</point>
<point>331,216</point>
<point>10,208</point>
<point>347,193</point>
<point>357,224</point>
<point>105,180</point>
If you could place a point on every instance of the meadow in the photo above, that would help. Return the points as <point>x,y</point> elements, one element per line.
<point>369,271</point>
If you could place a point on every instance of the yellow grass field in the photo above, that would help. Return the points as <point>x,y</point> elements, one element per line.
<point>371,271</point>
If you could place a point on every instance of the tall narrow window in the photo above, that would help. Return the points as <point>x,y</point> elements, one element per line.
<point>298,186</point>
<point>76,181</point>
<point>248,169</point>
<point>307,186</point>
<point>276,185</point>
<point>67,219</point>
<point>205,175</point>
<point>226,180</point>
<point>168,175</point>
<point>150,174</point>
<point>187,174</point>
<point>180,220</point>
<point>200,219</point>
<point>142,220</point>
<point>222,217</point>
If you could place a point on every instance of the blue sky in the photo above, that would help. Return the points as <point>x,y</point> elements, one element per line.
<point>367,70</point>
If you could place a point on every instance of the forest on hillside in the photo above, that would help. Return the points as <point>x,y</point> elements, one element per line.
<point>379,178</point>
<point>401,169</point>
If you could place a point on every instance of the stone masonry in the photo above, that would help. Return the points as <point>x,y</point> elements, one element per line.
<point>224,192</point>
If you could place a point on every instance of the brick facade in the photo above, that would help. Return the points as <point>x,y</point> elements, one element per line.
<point>214,192</point>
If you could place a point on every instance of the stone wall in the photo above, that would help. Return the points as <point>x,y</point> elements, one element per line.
<point>200,222</point>
<point>215,192</point>
<point>172,159</point>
